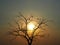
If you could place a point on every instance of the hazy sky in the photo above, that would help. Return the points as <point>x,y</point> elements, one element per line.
<point>45,8</point>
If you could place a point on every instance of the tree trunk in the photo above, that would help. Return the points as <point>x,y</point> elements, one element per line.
<point>30,43</point>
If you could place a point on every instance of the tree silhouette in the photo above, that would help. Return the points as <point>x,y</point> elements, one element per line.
<point>21,29</point>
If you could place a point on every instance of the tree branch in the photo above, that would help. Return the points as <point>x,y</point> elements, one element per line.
<point>22,16</point>
<point>12,33</point>
<point>41,22</point>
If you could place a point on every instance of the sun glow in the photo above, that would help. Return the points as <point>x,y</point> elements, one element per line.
<point>31,26</point>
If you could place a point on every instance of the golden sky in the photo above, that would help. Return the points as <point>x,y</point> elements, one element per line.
<point>50,9</point>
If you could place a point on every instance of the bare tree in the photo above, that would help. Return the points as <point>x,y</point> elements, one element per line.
<point>21,29</point>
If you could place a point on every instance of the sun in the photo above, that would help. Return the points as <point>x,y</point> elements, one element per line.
<point>31,26</point>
